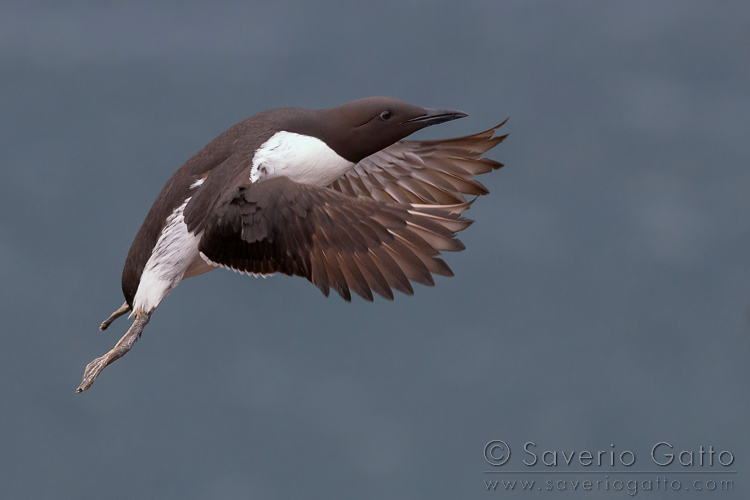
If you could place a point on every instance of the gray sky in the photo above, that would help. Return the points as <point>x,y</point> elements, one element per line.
<point>602,300</point>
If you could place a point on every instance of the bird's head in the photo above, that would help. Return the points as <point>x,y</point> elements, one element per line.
<point>357,129</point>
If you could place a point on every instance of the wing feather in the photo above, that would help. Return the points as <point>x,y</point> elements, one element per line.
<point>336,241</point>
<point>424,172</point>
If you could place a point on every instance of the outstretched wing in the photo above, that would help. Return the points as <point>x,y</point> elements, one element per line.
<point>333,240</point>
<point>433,172</point>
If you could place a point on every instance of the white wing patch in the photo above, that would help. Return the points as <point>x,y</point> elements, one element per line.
<point>230,268</point>
<point>302,158</point>
<point>198,182</point>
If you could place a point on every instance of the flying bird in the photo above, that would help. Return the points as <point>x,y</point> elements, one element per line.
<point>332,195</point>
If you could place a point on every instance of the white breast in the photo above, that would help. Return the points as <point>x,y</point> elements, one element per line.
<point>302,158</point>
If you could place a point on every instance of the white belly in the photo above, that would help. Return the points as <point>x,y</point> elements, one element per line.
<point>175,251</point>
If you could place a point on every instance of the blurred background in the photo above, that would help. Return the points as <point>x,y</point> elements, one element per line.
<point>603,301</point>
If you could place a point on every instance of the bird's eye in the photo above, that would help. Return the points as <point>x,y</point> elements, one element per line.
<point>386,115</point>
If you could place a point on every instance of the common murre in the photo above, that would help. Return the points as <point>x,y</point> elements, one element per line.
<point>332,195</point>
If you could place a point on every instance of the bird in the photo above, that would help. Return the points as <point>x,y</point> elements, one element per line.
<point>336,196</point>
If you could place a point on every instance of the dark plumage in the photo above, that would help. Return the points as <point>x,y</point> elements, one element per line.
<point>334,196</point>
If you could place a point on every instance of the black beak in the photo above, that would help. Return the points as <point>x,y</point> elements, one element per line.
<point>435,116</point>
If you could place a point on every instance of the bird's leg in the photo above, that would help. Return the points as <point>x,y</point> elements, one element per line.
<point>94,368</point>
<point>124,309</point>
